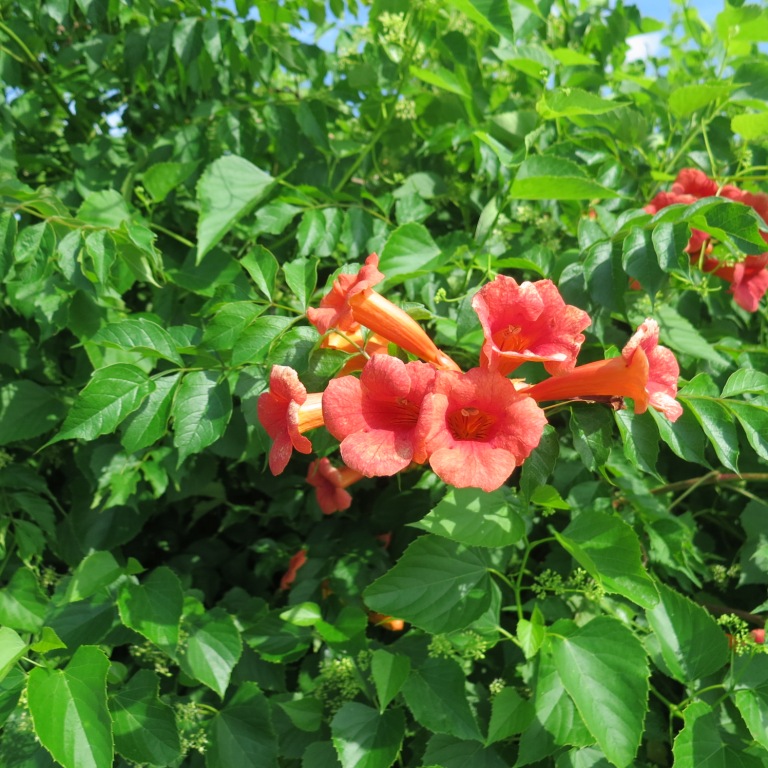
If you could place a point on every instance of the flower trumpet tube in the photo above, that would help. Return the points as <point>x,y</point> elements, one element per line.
<point>603,378</point>
<point>330,483</point>
<point>386,319</point>
<point>287,411</point>
<point>645,371</point>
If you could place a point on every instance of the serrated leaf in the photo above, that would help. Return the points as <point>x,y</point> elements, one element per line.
<point>746,380</point>
<point>435,694</point>
<point>556,721</point>
<point>153,608</point>
<point>640,439</point>
<point>159,179</point>
<point>510,714</point>
<point>555,178</point>
<point>144,727</point>
<point>691,642</point>
<point>389,672</point>
<point>49,641</point>
<point>475,518</point>
<point>241,734</point>
<point>201,411</point>
<point>140,334</point>
<point>609,550</point>
<point>27,410</point>
<point>750,675</point>
<point>227,190</point>
<point>23,605</point>
<point>149,423</point>
<point>441,78</point>
<point>409,250</point>
<point>254,342</point>
<point>438,585</point>
<point>301,278</point>
<point>112,394</point>
<point>229,323</point>
<point>212,648</point>
<point>688,99</point>
<point>69,710</point>
<point>715,420</point>
<point>365,738</point>
<point>604,668</point>
<point>539,465</point>
<point>491,14</point>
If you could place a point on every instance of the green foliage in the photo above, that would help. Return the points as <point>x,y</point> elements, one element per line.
<point>179,182</point>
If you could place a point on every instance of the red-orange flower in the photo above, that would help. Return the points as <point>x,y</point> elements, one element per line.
<point>663,370</point>
<point>375,416</point>
<point>476,428</point>
<point>748,279</point>
<point>334,310</point>
<point>330,483</point>
<point>528,322</point>
<point>644,371</point>
<point>293,566</point>
<point>386,622</point>
<point>286,411</point>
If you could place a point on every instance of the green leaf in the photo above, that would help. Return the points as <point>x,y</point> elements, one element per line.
<point>69,710</point>
<point>547,496</point>
<point>605,276</point>
<point>302,614</point>
<point>491,14</point>
<point>254,342</point>
<point>640,261</point>
<point>144,727</point>
<point>149,423</point>
<point>685,437</point>
<point>140,334</point>
<point>687,99</point>
<point>592,434</point>
<point>555,178</point>
<point>106,208</point>
<point>691,642</point>
<point>153,608</point>
<point>531,634</point>
<point>12,648</point>
<point>703,743</point>
<point>27,410</point>
<point>438,585</point>
<point>409,250</point>
<point>609,550</point>
<point>229,323</point>
<point>228,189</point>
<point>112,394</point>
<point>445,751</point>
<point>750,675</point>
<point>567,102</point>
<point>751,126</point>
<point>159,179</point>
<point>241,734</point>
<point>746,380</point>
<point>441,78</point>
<point>389,672</point>
<point>510,714</point>
<point>475,518</point>
<point>539,465</point>
<point>262,266</point>
<point>96,571</point>
<point>556,721</point>
<point>49,641</point>
<point>23,605</point>
<point>435,694</point>
<point>213,647</point>
<point>301,278</point>
<point>201,411</point>
<point>365,738</point>
<point>701,396</point>
<point>306,713</point>
<point>640,439</point>
<point>604,668</point>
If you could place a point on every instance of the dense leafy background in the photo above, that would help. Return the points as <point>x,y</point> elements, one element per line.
<point>178,182</point>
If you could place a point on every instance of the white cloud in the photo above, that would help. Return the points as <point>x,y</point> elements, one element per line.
<point>643,46</point>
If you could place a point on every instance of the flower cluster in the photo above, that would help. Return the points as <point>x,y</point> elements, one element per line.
<point>472,427</point>
<point>748,278</point>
